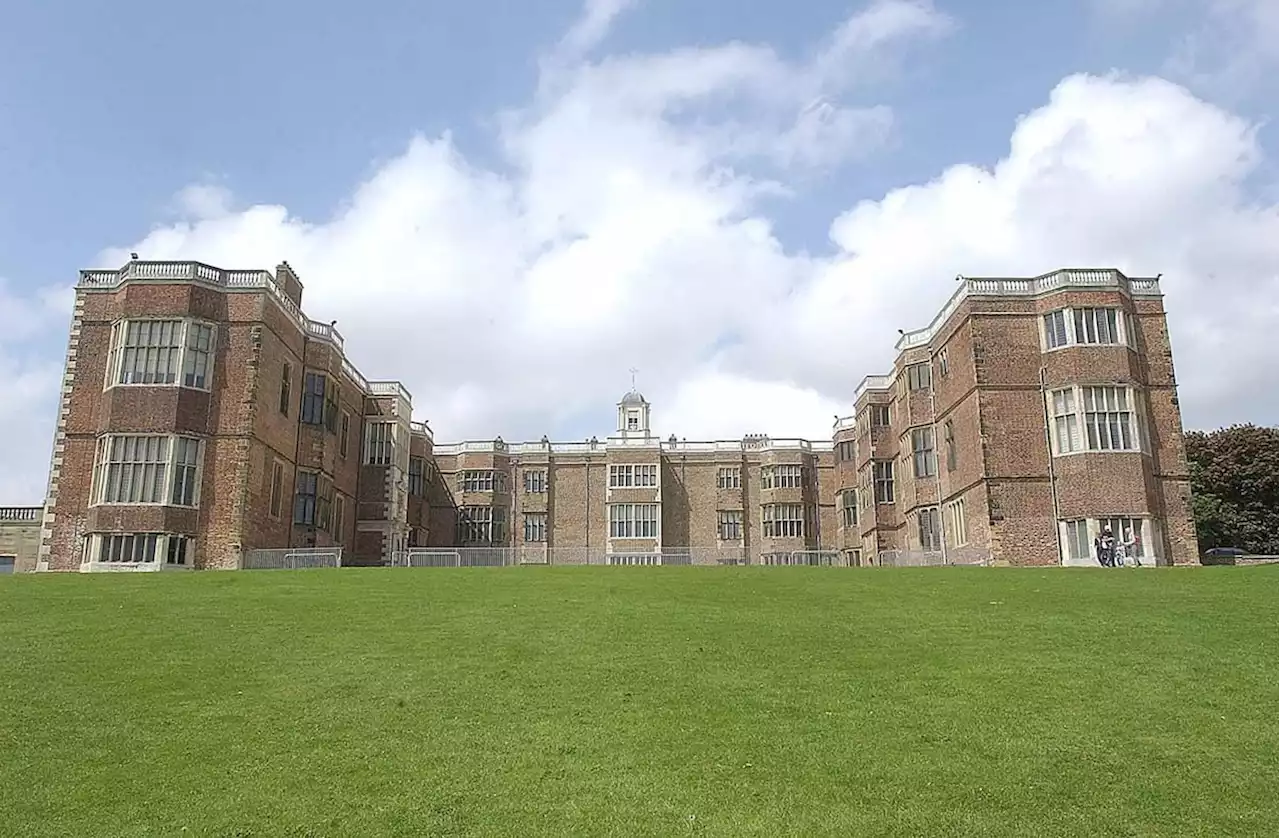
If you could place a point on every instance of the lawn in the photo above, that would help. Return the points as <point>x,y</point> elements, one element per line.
<point>640,701</point>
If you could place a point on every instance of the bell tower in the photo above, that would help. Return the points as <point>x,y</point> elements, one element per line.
<point>633,413</point>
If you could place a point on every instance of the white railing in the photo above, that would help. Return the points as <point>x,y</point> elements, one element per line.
<point>1032,286</point>
<point>845,422</point>
<point>445,449</point>
<point>292,558</point>
<point>872,382</point>
<point>354,374</point>
<point>389,388</point>
<point>21,513</point>
<point>325,332</point>
<point>421,428</point>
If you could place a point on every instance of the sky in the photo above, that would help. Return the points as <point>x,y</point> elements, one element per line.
<point>509,205</point>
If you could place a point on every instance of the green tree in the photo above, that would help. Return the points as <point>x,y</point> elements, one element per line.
<point>1234,486</point>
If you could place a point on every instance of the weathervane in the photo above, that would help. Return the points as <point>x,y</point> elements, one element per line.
<point>633,377</point>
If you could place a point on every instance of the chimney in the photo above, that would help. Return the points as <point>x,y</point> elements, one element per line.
<point>289,283</point>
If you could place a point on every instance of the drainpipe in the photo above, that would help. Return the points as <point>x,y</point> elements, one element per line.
<point>1048,449</point>
<point>937,465</point>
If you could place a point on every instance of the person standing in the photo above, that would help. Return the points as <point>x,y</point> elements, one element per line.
<point>1105,548</point>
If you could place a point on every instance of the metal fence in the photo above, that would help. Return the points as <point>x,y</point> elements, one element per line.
<point>686,556</point>
<point>293,558</point>
<point>971,556</point>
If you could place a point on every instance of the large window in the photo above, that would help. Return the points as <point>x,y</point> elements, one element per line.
<point>924,459</point>
<point>956,526</point>
<point>849,507</point>
<point>1094,419</point>
<point>783,520</point>
<point>535,526</point>
<point>918,377</point>
<point>781,477</point>
<point>312,399</point>
<point>930,533</point>
<point>633,520</point>
<point>417,477</point>
<point>339,516</point>
<point>162,352</point>
<point>286,387</point>
<point>1078,534</point>
<point>729,477</point>
<point>379,448</point>
<point>882,476</point>
<point>344,434</point>
<point>879,415</point>
<point>484,480</point>
<point>949,441</point>
<point>148,469</point>
<point>730,525</point>
<point>535,481</point>
<point>141,548</point>
<point>306,498</point>
<point>482,524</point>
<point>1083,326</point>
<point>633,476</point>
<point>846,451</point>
<point>277,488</point>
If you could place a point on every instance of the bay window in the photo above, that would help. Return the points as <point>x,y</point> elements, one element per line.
<point>1086,327</point>
<point>176,352</point>
<point>148,469</point>
<point>1095,418</point>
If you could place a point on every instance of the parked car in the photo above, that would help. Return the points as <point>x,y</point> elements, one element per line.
<point>1222,555</point>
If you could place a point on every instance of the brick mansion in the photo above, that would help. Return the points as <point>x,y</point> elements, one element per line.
<point>205,420</point>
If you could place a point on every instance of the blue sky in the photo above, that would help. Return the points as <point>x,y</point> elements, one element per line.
<point>108,111</point>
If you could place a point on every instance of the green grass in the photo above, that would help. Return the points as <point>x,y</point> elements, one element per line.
<point>640,701</point>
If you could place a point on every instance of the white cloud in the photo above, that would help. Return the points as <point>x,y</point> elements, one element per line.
<point>630,234</point>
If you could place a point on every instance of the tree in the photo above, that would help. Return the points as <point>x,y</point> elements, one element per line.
<point>1235,487</point>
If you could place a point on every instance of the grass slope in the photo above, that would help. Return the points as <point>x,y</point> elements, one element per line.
<point>640,701</point>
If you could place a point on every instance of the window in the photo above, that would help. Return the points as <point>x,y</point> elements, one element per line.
<point>148,470</point>
<point>1076,542</point>
<point>1096,326</point>
<point>957,528</point>
<point>1131,330</point>
<point>535,481</point>
<point>186,465</point>
<point>312,399</point>
<point>633,520</point>
<point>949,440</point>
<point>633,421</point>
<point>196,363</point>
<point>930,532</point>
<point>882,474</point>
<point>1066,430</point>
<point>286,388</point>
<point>339,516</point>
<point>783,520</point>
<point>879,415</point>
<point>1084,326</point>
<point>943,366</point>
<point>481,524</point>
<point>730,525</point>
<point>923,456</point>
<point>729,477</point>
<point>918,377</point>
<point>331,407</point>
<point>849,504</point>
<point>1055,329</point>
<point>1106,414</point>
<point>304,499</point>
<point>277,488</point>
<point>1127,532</point>
<point>845,451</point>
<point>344,434</point>
<point>781,477</point>
<point>484,480</point>
<point>1108,420</point>
<point>535,526</point>
<point>141,548</point>
<point>417,480</point>
<point>633,476</point>
<point>378,447</point>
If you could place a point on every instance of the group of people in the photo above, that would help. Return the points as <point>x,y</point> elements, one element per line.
<point>1113,553</point>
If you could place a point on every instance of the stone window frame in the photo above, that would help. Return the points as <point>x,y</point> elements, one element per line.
<point>633,475</point>
<point>536,525</point>
<point>1093,526</point>
<point>729,524</point>
<point>185,356</point>
<point>1072,431</point>
<point>955,526</point>
<point>102,470</point>
<point>849,511</point>
<point>1062,328</point>
<point>161,551</point>
<point>729,477</point>
<point>783,520</point>
<point>782,476</point>
<point>633,520</point>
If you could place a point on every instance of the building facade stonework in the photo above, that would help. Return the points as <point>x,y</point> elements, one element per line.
<point>205,419</point>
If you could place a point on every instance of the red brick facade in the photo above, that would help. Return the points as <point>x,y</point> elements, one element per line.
<point>205,417</point>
